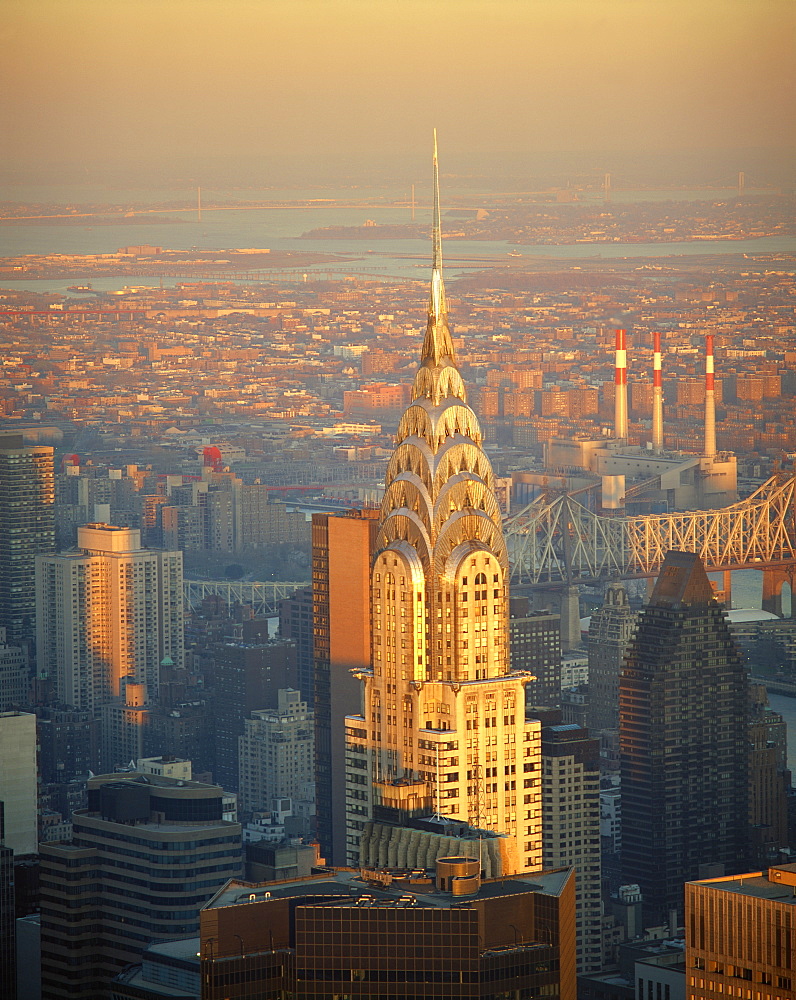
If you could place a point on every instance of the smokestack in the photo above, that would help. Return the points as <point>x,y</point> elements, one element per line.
<point>620,386</point>
<point>710,402</point>
<point>657,396</point>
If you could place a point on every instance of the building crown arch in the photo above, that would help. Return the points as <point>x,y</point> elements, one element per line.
<point>439,383</point>
<point>411,495</point>
<point>470,525</point>
<point>412,455</point>
<point>461,455</point>
<point>461,492</point>
<point>404,525</point>
<point>437,422</point>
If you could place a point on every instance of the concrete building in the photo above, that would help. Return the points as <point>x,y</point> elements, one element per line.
<point>248,676</point>
<point>610,630</point>
<point>8,946</point>
<point>741,935</point>
<point>277,753</point>
<point>342,554</point>
<point>14,676</point>
<point>439,933</point>
<point>769,779</point>
<point>571,827</point>
<point>27,528</point>
<point>18,780</point>
<point>112,611</point>
<point>145,855</point>
<point>535,647</point>
<point>296,623</point>
<point>165,767</point>
<point>683,736</point>
<point>441,725</point>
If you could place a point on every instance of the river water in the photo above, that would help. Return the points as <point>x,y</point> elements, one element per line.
<point>280,228</point>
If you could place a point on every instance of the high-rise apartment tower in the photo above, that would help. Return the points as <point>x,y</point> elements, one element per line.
<point>442,725</point>
<point>110,612</point>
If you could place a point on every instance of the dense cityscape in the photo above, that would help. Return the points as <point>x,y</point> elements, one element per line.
<point>397,532</point>
<point>195,528</point>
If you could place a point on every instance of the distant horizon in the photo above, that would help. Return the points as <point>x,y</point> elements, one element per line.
<point>718,168</point>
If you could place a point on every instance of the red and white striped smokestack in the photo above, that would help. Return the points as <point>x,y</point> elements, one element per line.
<point>657,395</point>
<point>620,387</point>
<point>710,402</point>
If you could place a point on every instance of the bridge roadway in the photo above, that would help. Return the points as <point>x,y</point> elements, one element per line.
<point>556,541</point>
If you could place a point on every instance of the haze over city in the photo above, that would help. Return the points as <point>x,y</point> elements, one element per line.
<point>286,91</point>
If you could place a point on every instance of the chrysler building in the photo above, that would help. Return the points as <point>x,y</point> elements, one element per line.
<point>442,731</point>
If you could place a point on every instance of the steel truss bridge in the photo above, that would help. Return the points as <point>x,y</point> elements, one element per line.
<point>556,540</point>
<point>263,597</point>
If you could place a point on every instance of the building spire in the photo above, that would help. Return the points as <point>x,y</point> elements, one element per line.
<point>438,343</point>
<point>437,225</point>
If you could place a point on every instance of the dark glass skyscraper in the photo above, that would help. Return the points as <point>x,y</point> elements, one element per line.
<point>27,528</point>
<point>683,739</point>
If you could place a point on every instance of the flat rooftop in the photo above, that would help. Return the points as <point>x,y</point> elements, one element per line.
<point>777,884</point>
<point>350,885</point>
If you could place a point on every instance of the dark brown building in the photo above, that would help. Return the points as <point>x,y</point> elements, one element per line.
<point>377,935</point>
<point>342,554</point>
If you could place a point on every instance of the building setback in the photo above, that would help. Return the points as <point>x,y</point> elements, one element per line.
<point>248,677</point>
<point>277,753</point>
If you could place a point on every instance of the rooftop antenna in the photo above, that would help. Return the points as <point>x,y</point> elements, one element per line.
<point>741,183</point>
<point>607,187</point>
<point>198,204</point>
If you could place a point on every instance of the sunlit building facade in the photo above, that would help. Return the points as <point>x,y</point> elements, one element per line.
<point>442,725</point>
<point>110,611</point>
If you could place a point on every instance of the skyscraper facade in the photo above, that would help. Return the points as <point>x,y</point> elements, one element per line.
<point>110,612</point>
<point>342,553</point>
<point>249,676</point>
<point>27,528</point>
<point>443,933</point>
<point>610,630</point>
<point>571,827</point>
<point>535,646</point>
<point>277,753</point>
<point>741,935</point>
<point>442,723</point>
<point>145,856</point>
<point>683,740</point>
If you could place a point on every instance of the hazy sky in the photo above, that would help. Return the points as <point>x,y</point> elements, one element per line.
<point>175,87</point>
